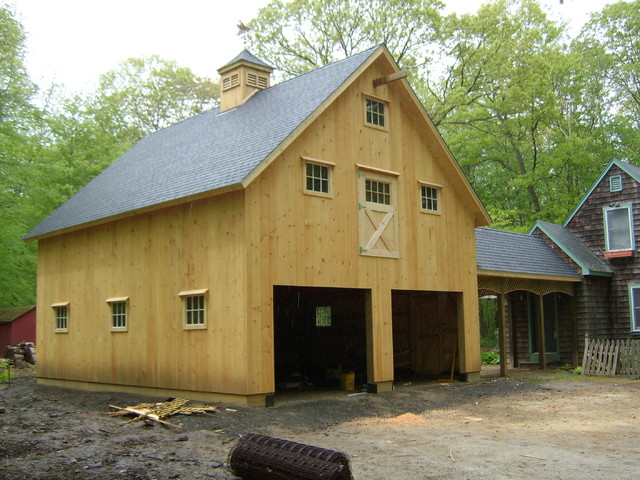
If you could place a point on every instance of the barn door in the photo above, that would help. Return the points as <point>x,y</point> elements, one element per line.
<point>377,214</point>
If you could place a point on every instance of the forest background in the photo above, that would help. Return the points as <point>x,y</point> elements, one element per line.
<point>531,111</point>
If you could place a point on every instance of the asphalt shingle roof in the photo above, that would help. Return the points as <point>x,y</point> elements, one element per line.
<point>248,57</point>
<point>511,252</point>
<point>573,247</point>
<point>204,153</point>
<point>8,315</point>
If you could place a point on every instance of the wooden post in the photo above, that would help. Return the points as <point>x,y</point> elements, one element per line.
<point>574,331</point>
<point>542,358</point>
<point>502,335</point>
<point>514,343</point>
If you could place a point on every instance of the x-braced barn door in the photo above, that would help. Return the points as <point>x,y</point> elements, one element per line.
<point>377,214</point>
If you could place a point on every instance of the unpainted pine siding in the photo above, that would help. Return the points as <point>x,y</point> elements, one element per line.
<point>588,225</point>
<point>305,240</point>
<point>149,258</point>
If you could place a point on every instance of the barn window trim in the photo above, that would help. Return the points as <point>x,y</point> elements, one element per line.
<point>194,306</point>
<point>312,182</point>
<point>627,230</point>
<point>119,313</point>
<point>430,197</point>
<point>376,112</point>
<point>61,317</point>
<point>634,309</point>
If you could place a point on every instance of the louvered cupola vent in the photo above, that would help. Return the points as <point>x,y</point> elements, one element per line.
<point>241,78</point>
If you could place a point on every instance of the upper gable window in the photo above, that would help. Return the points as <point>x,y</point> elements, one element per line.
<point>618,228</point>
<point>375,112</point>
<point>430,198</point>
<point>615,183</point>
<point>317,177</point>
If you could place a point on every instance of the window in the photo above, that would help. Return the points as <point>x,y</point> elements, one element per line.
<point>375,112</point>
<point>377,192</point>
<point>429,198</point>
<point>317,177</point>
<point>323,316</point>
<point>61,311</point>
<point>118,308</point>
<point>615,183</point>
<point>195,314</point>
<point>634,304</point>
<point>618,226</point>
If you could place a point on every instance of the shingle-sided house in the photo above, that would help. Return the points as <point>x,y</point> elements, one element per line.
<point>17,324</point>
<point>317,226</point>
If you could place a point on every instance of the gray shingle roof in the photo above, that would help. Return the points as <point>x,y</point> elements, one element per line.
<point>204,153</point>
<point>248,57</point>
<point>590,263</point>
<point>510,252</point>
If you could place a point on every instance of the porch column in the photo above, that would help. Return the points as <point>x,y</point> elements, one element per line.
<point>541,344</point>
<point>502,335</point>
<point>574,331</point>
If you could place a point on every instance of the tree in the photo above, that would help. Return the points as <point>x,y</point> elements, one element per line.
<point>301,35</point>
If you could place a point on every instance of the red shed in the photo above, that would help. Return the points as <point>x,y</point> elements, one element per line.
<point>17,324</point>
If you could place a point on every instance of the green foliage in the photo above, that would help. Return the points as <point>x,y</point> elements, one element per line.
<point>6,370</point>
<point>490,358</point>
<point>488,327</point>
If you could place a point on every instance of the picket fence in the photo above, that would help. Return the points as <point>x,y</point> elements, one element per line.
<point>611,357</point>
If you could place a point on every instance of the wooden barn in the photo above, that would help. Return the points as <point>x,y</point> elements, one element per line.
<point>17,324</point>
<point>301,230</point>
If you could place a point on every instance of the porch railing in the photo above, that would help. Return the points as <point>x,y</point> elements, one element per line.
<point>611,357</point>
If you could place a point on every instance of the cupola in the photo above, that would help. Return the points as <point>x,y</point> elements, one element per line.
<point>241,78</point>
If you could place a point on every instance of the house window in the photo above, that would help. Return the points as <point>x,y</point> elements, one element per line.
<point>429,198</point>
<point>615,183</point>
<point>375,112</point>
<point>195,313</point>
<point>118,308</point>
<point>317,178</point>
<point>323,316</point>
<point>634,303</point>
<point>618,227</point>
<point>61,311</point>
<point>377,192</point>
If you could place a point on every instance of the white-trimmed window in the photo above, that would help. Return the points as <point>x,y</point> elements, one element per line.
<point>317,177</point>
<point>429,198</point>
<point>618,228</point>
<point>323,316</point>
<point>61,315</point>
<point>119,310</point>
<point>375,112</point>
<point>634,306</point>
<point>195,308</point>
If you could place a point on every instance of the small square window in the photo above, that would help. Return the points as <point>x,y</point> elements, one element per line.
<point>377,192</point>
<point>323,316</point>
<point>61,317</point>
<point>429,198</point>
<point>317,178</point>
<point>375,112</point>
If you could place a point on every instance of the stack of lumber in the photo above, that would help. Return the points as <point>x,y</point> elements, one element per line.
<point>21,354</point>
<point>157,412</point>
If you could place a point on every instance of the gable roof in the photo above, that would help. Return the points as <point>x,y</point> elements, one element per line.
<point>8,315</point>
<point>206,152</point>
<point>630,169</point>
<point>500,251</point>
<point>247,57</point>
<point>588,261</point>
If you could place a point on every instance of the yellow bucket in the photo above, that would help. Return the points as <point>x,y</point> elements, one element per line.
<point>347,381</point>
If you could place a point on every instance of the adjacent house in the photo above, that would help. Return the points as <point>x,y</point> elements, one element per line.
<point>17,324</point>
<point>317,226</point>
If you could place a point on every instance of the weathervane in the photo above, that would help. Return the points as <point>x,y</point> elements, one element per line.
<point>242,31</point>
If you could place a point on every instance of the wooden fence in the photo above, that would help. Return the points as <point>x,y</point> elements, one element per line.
<point>611,357</point>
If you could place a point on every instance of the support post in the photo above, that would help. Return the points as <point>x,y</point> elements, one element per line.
<point>542,358</point>
<point>502,335</point>
<point>574,330</point>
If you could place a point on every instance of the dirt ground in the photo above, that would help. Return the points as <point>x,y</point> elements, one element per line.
<point>531,425</point>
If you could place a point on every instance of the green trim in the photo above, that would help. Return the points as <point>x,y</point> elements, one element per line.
<point>585,270</point>
<point>629,208</point>
<point>620,164</point>
<point>632,323</point>
<point>532,300</point>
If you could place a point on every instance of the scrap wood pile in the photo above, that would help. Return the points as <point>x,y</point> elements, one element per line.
<point>157,412</point>
<point>21,354</point>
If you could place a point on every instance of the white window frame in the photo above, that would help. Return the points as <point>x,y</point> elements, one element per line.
<point>187,309</point>
<point>319,163</point>
<point>120,319</point>
<point>438,199</point>
<point>372,118</point>
<point>58,308</point>
<point>634,310</point>
<point>607,235</point>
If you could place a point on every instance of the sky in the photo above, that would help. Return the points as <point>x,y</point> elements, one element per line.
<point>73,42</point>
